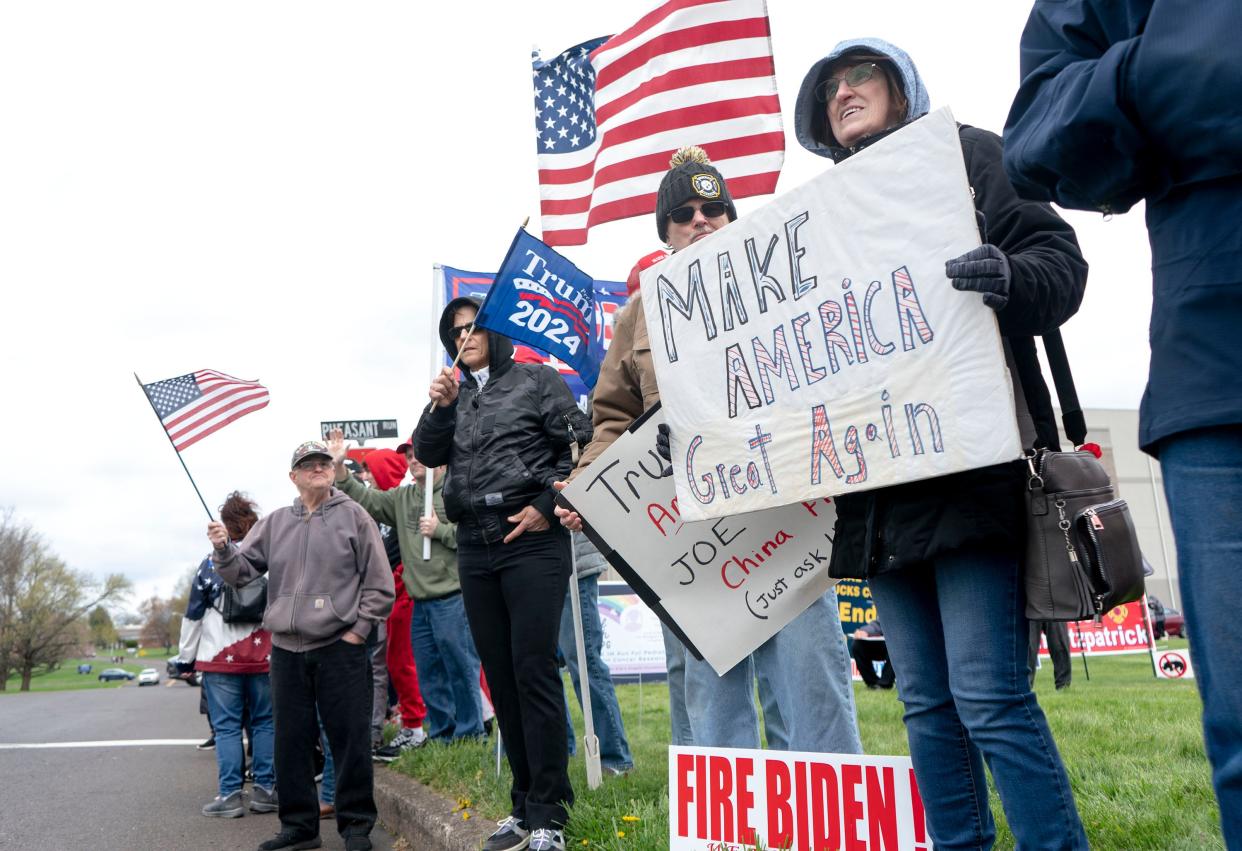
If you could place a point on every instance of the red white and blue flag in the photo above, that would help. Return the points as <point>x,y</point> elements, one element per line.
<point>192,406</point>
<point>545,301</point>
<point>610,112</point>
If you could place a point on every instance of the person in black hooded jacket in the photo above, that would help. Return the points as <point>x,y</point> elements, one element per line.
<point>942,555</point>
<point>505,432</point>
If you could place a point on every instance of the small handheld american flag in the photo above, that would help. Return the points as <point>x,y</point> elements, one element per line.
<point>192,406</point>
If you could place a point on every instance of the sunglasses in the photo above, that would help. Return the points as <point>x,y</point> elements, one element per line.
<point>711,210</point>
<point>457,330</point>
<point>853,78</point>
<point>315,464</point>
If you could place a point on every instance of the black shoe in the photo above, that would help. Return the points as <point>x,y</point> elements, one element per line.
<point>386,754</point>
<point>288,839</point>
<point>357,842</point>
<point>207,745</point>
<point>511,836</point>
<point>487,727</point>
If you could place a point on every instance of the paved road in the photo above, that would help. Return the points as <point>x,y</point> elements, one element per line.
<point>136,797</point>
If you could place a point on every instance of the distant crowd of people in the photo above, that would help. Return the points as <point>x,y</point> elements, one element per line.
<point>350,594</point>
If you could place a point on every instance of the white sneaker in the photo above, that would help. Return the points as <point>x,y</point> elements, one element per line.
<point>409,737</point>
<point>510,837</point>
<point>545,839</point>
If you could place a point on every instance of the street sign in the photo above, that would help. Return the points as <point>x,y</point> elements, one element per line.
<point>361,430</point>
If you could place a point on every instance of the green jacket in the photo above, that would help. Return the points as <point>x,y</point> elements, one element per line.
<point>401,509</point>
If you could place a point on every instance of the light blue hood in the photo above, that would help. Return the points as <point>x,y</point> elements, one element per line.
<point>809,117</point>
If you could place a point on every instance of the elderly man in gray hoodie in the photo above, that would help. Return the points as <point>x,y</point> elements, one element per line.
<point>329,586</point>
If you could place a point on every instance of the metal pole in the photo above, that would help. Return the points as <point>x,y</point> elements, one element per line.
<point>437,289</point>
<point>1151,636</point>
<point>1164,546</point>
<point>141,386</point>
<point>1082,649</point>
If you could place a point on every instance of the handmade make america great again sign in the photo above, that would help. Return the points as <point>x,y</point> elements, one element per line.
<point>816,347</point>
<point>723,586</point>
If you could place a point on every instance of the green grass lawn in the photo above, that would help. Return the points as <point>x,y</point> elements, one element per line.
<point>66,677</point>
<point>1132,745</point>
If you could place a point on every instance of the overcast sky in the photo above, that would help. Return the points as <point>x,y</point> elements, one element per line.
<point>263,188</point>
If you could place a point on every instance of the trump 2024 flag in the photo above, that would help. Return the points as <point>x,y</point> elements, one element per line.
<point>541,299</point>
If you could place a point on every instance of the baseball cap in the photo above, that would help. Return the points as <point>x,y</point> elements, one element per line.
<point>307,449</point>
<point>404,447</point>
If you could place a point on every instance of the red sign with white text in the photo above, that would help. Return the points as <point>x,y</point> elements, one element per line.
<point>1122,630</point>
<point>728,799</point>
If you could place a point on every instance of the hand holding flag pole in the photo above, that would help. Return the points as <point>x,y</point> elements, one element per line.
<point>469,331</point>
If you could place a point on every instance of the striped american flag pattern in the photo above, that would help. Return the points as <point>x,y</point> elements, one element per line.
<point>197,404</point>
<point>692,72</point>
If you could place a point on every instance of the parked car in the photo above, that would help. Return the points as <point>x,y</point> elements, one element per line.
<point>148,677</point>
<point>1165,620</point>
<point>109,674</point>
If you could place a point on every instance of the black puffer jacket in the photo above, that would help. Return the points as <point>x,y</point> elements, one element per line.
<point>906,525</point>
<point>505,444</point>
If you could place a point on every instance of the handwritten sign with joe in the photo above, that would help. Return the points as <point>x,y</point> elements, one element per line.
<point>723,586</point>
<point>815,347</point>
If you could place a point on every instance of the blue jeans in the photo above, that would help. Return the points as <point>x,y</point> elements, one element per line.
<point>804,685</point>
<point>614,750</point>
<point>957,635</point>
<point>327,783</point>
<point>1203,482</point>
<point>228,696</point>
<point>448,668</point>
<point>675,654</point>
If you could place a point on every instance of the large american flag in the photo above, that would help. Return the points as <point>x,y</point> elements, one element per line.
<point>195,405</point>
<point>610,112</point>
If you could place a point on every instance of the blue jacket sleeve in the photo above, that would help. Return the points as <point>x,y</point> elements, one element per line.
<point>1072,135</point>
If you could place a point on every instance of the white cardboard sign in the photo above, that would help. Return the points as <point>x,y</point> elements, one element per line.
<point>1174,665</point>
<point>728,799</point>
<point>815,347</point>
<point>724,586</point>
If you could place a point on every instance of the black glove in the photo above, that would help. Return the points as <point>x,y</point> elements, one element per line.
<point>663,447</point>
<point>982,270</point>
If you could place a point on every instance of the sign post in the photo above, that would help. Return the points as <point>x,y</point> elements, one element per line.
<point>360,430</point>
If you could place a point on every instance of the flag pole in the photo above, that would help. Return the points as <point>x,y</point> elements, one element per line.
<point>143,388</point>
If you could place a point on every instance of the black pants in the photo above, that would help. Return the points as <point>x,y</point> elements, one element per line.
<point>513,595</point>
<point>335,678</point>
<point>867,652</point>
<point>1058,649</point>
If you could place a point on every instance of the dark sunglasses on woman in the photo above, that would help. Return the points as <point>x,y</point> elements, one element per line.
<point>711,210</point>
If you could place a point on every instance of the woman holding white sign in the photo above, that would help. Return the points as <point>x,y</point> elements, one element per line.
<point>804,670</point>
<point>942,555</point>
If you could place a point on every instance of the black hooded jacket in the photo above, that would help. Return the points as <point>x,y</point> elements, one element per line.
<point>504,444</point>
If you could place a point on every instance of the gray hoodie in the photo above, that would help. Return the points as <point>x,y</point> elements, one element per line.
<point>327,572</point>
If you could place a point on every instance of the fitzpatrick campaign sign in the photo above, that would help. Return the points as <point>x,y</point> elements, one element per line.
<point>725,799</point>
<point>723,586</point>
<point>543,300</point>
<point>609,298</point>
<point>815,346</point>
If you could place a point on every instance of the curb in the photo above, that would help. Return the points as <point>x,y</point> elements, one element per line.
<point>426,819</point>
